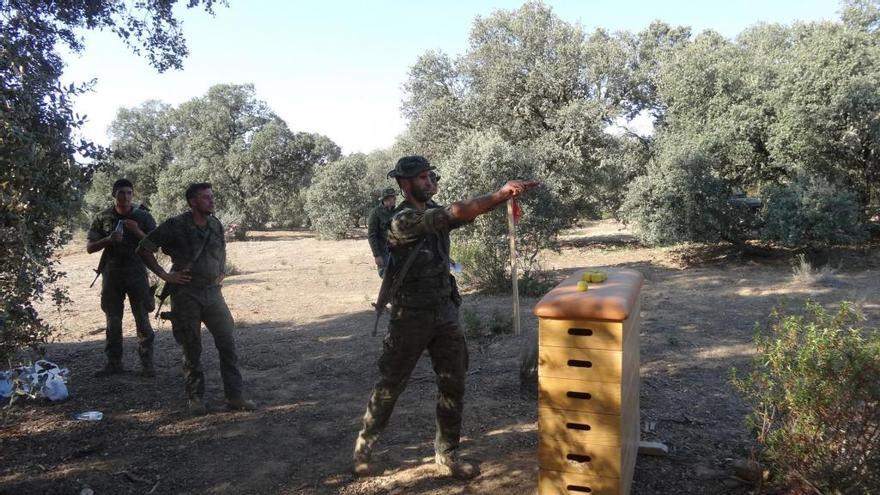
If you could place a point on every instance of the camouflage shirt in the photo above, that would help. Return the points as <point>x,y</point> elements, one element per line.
<point>121,256</point>
<point>428,282</point>
<point>377,225</point>
<point>180,238</point>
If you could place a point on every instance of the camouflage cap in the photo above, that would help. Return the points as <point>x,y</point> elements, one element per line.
<point>387,192</point>
<point>410,166</point>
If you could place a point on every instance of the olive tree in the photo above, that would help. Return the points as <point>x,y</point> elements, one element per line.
<point>41,180</point>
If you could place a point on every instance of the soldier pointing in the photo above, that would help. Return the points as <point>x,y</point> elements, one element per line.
<point>424,310</point>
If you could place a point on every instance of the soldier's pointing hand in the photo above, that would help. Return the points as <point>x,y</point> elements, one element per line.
<point>514,188</point>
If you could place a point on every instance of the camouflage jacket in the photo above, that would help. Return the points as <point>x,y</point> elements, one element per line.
<point>377,225</point>
<point>428,282</point>
<point>180,238</point>
<point>121,256</point>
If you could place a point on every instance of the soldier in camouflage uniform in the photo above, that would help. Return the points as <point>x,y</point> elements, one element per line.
<point>424,312</point>
<point>123,273</point>
<point>194,241</point>
<point>377,226</point>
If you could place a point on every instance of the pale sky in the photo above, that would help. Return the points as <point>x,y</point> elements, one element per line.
<point>337,67</point>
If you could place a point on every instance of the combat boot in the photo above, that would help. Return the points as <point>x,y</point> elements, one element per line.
<point>241,404</point>
<point>113,367</point>
<point>196,406</point>
<point>361,458</point>
<point>457,468</point>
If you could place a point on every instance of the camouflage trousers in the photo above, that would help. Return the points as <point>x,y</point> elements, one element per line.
<point>114,288</point>
<point>190,306</point>
<point>410,332</point>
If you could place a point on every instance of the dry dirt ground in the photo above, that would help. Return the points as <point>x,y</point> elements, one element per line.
<point>303,335</point>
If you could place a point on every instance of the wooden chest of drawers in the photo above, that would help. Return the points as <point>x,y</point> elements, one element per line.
<point>588,385</point>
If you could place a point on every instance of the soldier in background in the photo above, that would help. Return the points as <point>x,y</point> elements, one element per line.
<point>117,231</point>
<point>424,311</point>
<point>377,226</point>
<point>194,241</point>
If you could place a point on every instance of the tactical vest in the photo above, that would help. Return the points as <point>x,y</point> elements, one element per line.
<point>427,283</point>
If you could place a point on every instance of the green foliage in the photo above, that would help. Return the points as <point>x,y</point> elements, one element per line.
<point>480,164</point>
<point>41,183</point>
<point>811,211</point>
<point>680,199</point>
<point>531,98</point>
<point>343,192</point>
<point>775,104</point>
<point>258,166</point>
<point>828,104</point>
<point>482,331</point>
<point>815,391</point>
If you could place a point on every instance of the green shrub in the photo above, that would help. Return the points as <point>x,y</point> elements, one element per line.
<point>680,199</point>
<point>811,211</point>
<point>815,392</point>
<point>341,194</point>
<point>482,163</point>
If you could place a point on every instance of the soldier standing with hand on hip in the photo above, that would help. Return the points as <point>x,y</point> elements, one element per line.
<point>424,311</point>
<point>194,241</point>
<point>117,231</point>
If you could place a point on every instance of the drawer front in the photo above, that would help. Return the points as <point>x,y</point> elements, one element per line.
<point>585,334</point>
<point>579,395</point>
<point>559,483</point>
<point>580,364</point>
<point>580,428</point>
<point>557,454</point>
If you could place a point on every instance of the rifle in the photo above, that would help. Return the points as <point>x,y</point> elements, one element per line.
<point>392,282</point>
<point>169,289</point>
<point>101,263</point>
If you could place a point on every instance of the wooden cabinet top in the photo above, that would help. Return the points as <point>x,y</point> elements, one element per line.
<point>611,300</point>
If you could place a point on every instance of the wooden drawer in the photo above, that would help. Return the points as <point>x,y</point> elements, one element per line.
<point>585,334</point>
<point>580,427</point>
<point>580,364</point>
<point>558,454</point>
<point>578,395</point>
<point>559,483</point>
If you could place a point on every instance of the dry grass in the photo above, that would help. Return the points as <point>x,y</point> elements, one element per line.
<point>803,272</point>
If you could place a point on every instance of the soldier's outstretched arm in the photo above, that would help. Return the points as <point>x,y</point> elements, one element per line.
<point>467,210</point>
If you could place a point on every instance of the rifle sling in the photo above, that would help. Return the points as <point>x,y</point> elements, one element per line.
<point>166,291</point>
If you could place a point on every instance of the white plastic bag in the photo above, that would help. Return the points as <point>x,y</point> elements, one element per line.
<point>54,389</point>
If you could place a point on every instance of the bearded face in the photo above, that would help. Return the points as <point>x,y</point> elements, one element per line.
<point>421,187</point>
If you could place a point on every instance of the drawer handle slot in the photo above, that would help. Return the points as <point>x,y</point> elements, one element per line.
<point>579,458</point>
<point>578,395</point>
<point>578,363</point>
<point>578,426</point>
<point>580,332</point>
<point>579,488</point>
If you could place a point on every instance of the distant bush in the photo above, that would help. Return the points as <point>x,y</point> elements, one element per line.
<point>680,199</point>
<point>811,211</point>
<point>815,392</point>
